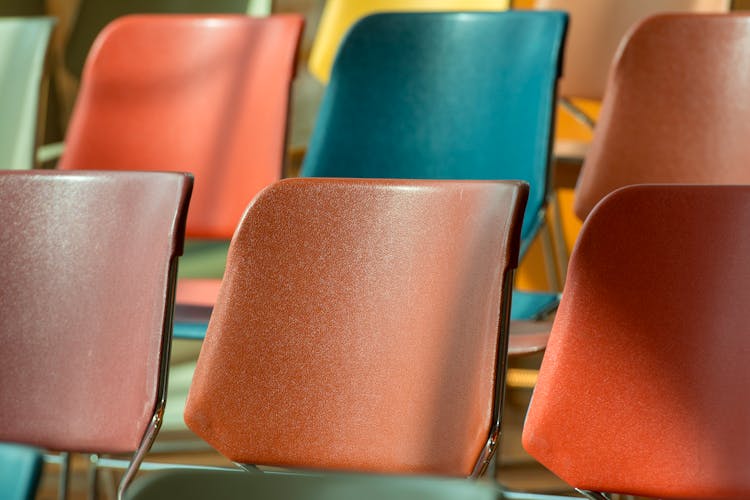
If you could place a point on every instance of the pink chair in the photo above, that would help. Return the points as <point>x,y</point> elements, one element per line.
<point>88,274</point>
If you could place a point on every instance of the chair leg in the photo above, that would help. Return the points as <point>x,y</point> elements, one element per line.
<point>548,249</point>
<point>62,490</point>
<point>93,476</point>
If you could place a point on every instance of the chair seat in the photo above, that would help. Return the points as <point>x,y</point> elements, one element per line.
<point>528,337</point>
<point>194,302</point>
<point>228,484</point>
<point>531,305</point>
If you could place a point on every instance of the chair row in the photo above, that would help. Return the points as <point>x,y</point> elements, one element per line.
<point>361,325</point>
<point>166,136</point>
<point>357,329</point>
<point>643,43</point>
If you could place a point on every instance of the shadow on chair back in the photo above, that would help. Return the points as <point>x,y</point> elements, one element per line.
<point>88,270</point>
<point>362,326</point>
<point>643,388</point>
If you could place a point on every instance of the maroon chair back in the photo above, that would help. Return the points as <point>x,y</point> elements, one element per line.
<point>88,271</point>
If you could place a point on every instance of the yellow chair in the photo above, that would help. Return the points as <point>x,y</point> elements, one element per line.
<point>339,15</point>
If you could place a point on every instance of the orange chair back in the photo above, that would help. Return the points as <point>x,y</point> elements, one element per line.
<point>362,326</point>
<point>677,109</point>
<point>643,387</point>
<point>204,94</point>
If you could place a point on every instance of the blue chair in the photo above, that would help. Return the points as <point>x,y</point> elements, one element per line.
<point>20,468</point>
<point>446,96</point>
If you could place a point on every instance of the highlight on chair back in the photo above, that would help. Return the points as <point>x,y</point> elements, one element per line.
<point>676,109</point>
<point>212,100</point>
<point>419,95</point>
<point>362,326</point>
<point>23,47</point>
<point>338,16</point>
<point>88,273</point>
<point>643,387</point>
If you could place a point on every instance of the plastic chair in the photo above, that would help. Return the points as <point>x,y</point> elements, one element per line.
<point>418,95</point>
<point>212,101</point>
<point>339,16</point>
<point>23,46</point>
<point>20,468</point>
<point>362,326</point>
<point>643,387</point>
<point>235,485</point>
<point>93,15</point>
<point>91,305</point>
<point>675,111</point>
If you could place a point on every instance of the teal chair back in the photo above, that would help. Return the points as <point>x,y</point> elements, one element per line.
<point>23,47</point>
<point>20,468</point>
<point>443,96</point>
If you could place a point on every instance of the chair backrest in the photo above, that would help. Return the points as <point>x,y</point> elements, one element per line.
<point>362,325</point>
<point>92,16</point>
<point>338,16</point>
<point>202,94</point>
<point>422,96</point>
<point>88,269</point>
<point>226,485</point>
<point>676,109</point>
<point>643,387</point>
<point>23,47</point>
<point>596,28</point>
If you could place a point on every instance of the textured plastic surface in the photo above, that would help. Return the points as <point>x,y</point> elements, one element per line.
<point>85,263</point>
<point>596,28</point>
<point>20,468</point>
<point>643,387</point>
<point>443,96</point>
<point>23,45</point>
<point>202,94</point>
<point>676,109</point>
<point>339,15</point>
<point>358,326</point>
